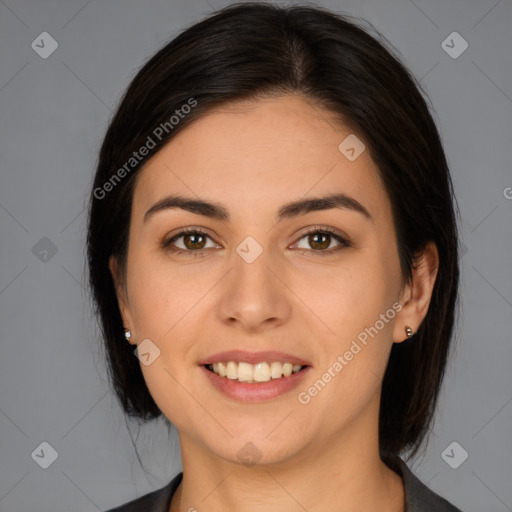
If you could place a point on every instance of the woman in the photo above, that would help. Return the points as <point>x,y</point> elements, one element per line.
<point>272,233</point>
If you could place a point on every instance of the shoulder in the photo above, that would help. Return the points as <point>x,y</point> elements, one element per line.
<point>156,501</point>
<point>418,497</point>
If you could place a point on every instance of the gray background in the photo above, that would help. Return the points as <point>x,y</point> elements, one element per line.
<point>54,112</point>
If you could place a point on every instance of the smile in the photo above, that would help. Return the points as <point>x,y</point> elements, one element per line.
<point>250,373</point>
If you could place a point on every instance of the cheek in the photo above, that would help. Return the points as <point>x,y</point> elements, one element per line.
<point>356,303</point>
<point>161,296</point>
<point>349,297</point>
<point>166,306</point>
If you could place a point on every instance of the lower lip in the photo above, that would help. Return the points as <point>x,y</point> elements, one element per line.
<point>257,391</point>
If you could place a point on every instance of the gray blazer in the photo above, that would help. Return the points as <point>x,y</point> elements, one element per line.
<point>418,497</point>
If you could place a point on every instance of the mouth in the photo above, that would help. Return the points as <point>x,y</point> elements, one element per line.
<point>252,377</point>
<point>261,372</point>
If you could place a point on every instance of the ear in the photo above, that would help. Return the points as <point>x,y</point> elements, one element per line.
<point>121,293</point>
<point>416,295</point>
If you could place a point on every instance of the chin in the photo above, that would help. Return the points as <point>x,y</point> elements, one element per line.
<point>251,451</point>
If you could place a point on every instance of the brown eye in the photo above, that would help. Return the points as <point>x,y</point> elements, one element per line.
<point>188,241</point>
<point>194,241</point>
<point>319,241</point>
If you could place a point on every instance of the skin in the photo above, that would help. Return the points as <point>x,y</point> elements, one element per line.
<point>253,157</point>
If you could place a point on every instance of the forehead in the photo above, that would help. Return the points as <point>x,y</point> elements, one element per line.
<point>259,154</point>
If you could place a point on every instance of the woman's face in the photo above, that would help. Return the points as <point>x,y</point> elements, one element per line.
<point>256,282</point>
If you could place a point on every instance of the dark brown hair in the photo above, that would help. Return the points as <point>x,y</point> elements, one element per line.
<point>253,50</point>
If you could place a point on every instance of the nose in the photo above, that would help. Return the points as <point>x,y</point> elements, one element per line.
<point>254,296</point>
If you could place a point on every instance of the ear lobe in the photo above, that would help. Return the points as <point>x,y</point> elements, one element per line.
<point>418,293</point>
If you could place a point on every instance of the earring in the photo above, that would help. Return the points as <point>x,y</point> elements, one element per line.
<point>408,331</point>
<point>127,334</point>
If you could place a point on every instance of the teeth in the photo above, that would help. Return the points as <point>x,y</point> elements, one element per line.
<point>245,372</point>
<point>231,370</point>
<point>276,369</point>
<point>220,368</point>
<point>261,372</point>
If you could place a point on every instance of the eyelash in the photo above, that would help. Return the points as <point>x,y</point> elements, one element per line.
<point>200,252</point>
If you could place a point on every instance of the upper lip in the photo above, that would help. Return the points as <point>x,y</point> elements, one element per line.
<point>253,357</point>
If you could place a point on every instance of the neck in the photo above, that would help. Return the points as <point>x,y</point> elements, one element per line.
<point>338,474</point>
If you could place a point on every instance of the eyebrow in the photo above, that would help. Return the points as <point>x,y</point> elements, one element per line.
<point>218,211</point>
